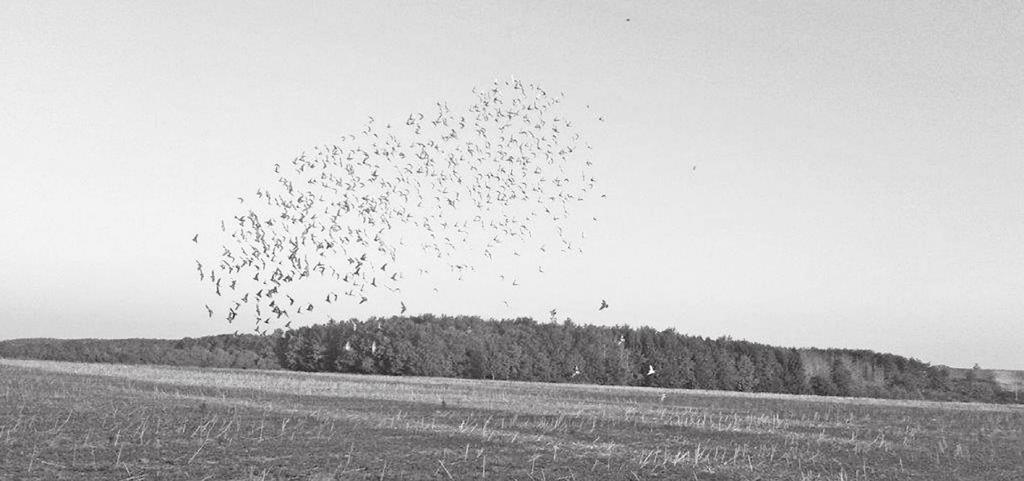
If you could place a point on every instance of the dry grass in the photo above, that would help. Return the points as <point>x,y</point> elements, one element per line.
<point>101,421</point>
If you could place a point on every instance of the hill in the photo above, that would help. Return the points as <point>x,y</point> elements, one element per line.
<point>1007,380</point>
<point>524,350</point>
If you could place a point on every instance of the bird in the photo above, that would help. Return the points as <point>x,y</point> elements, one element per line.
<point>209,312</point>
<point>403,308</point>
<point>195,238</point>
<point>604,305</point>
<point>331,210</point>
<point>650,370</point>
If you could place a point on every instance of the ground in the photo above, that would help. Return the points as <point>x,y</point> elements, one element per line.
<point>100,421</point>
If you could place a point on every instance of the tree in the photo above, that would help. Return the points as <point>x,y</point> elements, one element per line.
<point>841,378</point>
<point>746,374</point>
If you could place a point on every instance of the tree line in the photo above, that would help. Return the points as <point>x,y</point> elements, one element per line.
<point>245,351</point>
<point>525,350</point>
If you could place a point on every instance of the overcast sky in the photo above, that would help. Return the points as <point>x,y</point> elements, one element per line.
<point>859,181</point>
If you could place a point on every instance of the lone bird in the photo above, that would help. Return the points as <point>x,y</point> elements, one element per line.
<point>604,305</point>
<point>403,308</point>
<point>650,370</point>
<point>195,238</point>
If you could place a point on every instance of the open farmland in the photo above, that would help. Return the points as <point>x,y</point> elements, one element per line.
<point>101,421</point>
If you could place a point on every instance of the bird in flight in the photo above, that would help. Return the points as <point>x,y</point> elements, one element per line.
<point>327,196</point>
<point>209,311</point>
<point>604,305</point>
<point>650,370</point>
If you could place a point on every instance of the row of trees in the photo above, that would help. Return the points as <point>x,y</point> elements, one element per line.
<point>524,350</point>
<point>242,351</point>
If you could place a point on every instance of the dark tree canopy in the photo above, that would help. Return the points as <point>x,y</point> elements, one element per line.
<point>525,350</point>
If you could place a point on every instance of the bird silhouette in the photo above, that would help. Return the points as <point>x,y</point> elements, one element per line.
<point>504,169</point>
<point>604,305</point>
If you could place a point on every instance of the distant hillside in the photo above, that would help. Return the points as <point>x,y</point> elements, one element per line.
<point>869,368</point>
<point>1012,381</point>
<point>522,349</point>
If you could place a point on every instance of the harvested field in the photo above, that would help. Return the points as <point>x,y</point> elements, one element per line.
<point>103,421</point>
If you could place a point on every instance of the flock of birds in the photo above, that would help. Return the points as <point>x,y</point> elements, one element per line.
<point>349,220</point>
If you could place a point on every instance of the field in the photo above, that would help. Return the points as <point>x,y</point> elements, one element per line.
<point>100,421</point>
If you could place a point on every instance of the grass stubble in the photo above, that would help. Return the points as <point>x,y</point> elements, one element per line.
<point>106,421</point>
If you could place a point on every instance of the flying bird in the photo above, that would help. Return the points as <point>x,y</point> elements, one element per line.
<point>604,305</point>
<point>331,211</point>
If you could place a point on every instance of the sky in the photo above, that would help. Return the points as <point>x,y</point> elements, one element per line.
<point>858,177</point>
